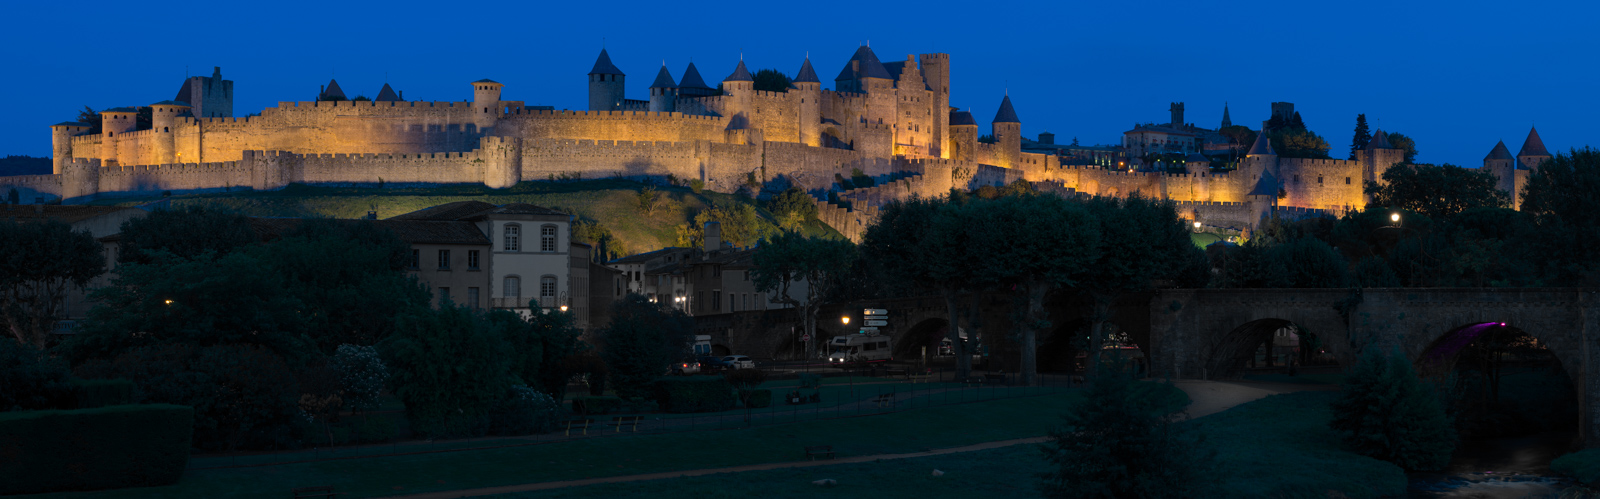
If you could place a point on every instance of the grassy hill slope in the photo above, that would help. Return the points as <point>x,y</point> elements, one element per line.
<point>609,203</point>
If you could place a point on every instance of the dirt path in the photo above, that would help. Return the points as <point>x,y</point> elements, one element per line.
<point>1208,397</point>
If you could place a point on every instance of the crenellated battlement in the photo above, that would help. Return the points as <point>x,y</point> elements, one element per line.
<point>612,115</point>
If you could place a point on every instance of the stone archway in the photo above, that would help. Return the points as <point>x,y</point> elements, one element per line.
<point>925,334</point>
<point>1269,342</point>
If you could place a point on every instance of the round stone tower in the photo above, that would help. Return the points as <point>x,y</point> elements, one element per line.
<point>61,143</point>
<point>809,89</point>
<point>486,102</point>
<point>114,122</point>
<point>605,84</point>
<point>163,120</point>
<point>663,92</point>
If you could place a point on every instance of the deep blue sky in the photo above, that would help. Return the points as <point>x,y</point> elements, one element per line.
<point>1456,76</point>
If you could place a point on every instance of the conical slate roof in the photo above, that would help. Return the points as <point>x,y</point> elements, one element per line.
<point>692,79</point>
<point>962,118</point>
<point>70,123</point>
<point>806,74</point>
<point>486,80</point>
<point>387,94</point>
<point>1534,146</point>
<point>332,92</point>
<point>1196,157</point>
<point>1499,152</point>
<point>171,103</point>
<point>1266,186</point>
<point>740,73</point>
<point>663,79</point>
<point>1007,114</point>
<point>870,66</point>
<point>1263,145</point>
<point>1379,140</point>
<point>603,65</point>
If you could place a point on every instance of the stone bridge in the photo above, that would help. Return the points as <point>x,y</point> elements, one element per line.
<point>1209,333</point>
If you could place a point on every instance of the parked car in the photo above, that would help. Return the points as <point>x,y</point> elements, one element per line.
<point>740,362</point>
<point>686,367</point>
<point>713,364</point>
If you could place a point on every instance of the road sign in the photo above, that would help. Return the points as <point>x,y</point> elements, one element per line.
<point>870,322</point>
<point>875,311</point>
<point>869,330</point>
<point>805,337</point>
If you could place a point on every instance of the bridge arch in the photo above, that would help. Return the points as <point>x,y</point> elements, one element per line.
<point>926,333</point>
<point>1503,380</point>
<point>1269,342</point>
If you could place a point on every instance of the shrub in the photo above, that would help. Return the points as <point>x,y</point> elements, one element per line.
<point>451,367</point>
<point>1124,442</point>
<point>759,399</point>
<point>596,405</point>
<point>375,428</point>
<point>524,411</point>
<point>694,394</point>
<point>746,381</point>
<point>1583,465</point>
<point>89,449</point>
<point>30,380</point>
<point>362,375</point>
<point>243,396</point>
<point>697,185</point>
<point>103,392</point>
<point>1387,413</point>
<point>641,342</point>
<point>638,405</point>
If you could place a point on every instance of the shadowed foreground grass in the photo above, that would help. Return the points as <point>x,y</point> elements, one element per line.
<point>1277,447</point>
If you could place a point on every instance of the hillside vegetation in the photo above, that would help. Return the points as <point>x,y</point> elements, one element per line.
<point>609,210</point>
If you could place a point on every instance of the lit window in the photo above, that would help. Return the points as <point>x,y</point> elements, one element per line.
<point>547,286</point>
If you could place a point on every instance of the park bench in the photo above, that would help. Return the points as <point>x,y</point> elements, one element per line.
<point>322,492</point>
<point>822,451</point>
<point>578,424</point>
<point>995,378</point>
<point>919,378</point>
<point>630,422</point>
<point>886,399</point>
<point>974,380</point>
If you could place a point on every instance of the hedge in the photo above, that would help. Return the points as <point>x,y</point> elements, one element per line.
<point>760,398</point>
<point>694,394</point>
<point>94,393</point>
<point>89,449</point>
<point>596,405</point>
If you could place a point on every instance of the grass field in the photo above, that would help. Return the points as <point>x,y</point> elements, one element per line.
<point>1277,447</point>
<point>908,431</point>
<point>610,202</point>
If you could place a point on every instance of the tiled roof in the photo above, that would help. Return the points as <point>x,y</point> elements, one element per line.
<point>121,110</point>
<point>1263,145</point>
<point>643,257</point>
<point>387,94</point>
<point>171,103</point>
<point>486,80</point>
<point>806,74</point>
<point>870,66</point>
<point>524,209</point>
<point>332,92</point>
<point>1379,140</point>
<point>1195,156</point>
<point>1534,146</point>
<point>740,73</point>
<point>71,123</point>
<point>447,211</point>
<point>1499,152</point>
<point>410,231</point>
<point>962,118</point>
<point>603,65</point>
<point>664,79</point>
<point>1007,114</point>
<point>692,79</point>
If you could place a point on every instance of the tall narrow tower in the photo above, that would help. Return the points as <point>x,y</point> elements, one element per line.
<point>1226,121</point>
<point>61,143</point>
<point>809,89</point>
<point>486,102</point>
<point>163,117</point>
<point>1533,152</point>
<point>936,70</point>
<point>605,84</point>
<point>663,92</point>
<point>1503,166</point>
<point>1007,134</point>
<point>739,87</point>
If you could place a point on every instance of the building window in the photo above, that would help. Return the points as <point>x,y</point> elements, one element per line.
<point>1319,179</point>
<point>416,259</point>
<point>472,298</point>
<point>547,239</point>
<point>716,300</point>
<point>1347,181</point>
<point>547,287</point>
<point>513,237</point>
<point>444,259</point>
<point>472,259</point>
<point>733,302</point>
<point>513,287</point>
<point>444,296</point>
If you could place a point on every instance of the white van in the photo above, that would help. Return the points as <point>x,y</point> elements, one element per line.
<point>859,348</point>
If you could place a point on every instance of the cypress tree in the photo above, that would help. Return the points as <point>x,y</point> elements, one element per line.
<point>1387,413</point>
<point>1362,137</point>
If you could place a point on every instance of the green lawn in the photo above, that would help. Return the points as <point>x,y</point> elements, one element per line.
<point>1278,447</point>
<point>909,431</point>
<point>610,202</point>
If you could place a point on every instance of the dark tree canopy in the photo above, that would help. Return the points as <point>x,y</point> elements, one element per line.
<point>771,80</point>
<point>1362,136</point>
<point>1404,143</point>
<point>185,232</point>
<point>1436,191</point>
<point>1564,196</point>
<point>642,342</point>
<point>40,262</point>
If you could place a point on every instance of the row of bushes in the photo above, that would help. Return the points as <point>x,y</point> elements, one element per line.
<point>692,394</point>
<point>89,449</point>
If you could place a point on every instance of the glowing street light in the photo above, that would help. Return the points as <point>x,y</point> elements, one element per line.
<point>845,320</point>
<point>1394,217</point>
<point>169,302</point>
<point>563,308</point>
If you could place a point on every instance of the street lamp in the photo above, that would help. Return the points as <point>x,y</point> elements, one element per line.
<point>1197,225</point>
<point>845,320</point>
<point>1394,217</point>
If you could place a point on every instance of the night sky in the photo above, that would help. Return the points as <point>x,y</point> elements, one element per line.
<point>1455,76</point>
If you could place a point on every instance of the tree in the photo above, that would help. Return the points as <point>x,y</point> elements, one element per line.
<point>1123,442</point>
<point>741,224</point>
<point>924,242</point>
<point>185,232</point>
<point>362,375</point>
<point>540,343</point>
<point>641,343</point>
<point>42,261</point>
<point>1436,191</point>
<point>1036,244</point>
<point>771,80</point>
<point>1310,263</point>
<point>1362,136</point>
<point>450,367</point>
<point>1404,143</point>
<point>793,208</point>
<point>1146,241</point>
<point>790,258</point>
<point>1291,142</point>
<point>1386,412</point>
<point>1563,195</point>
<point>31,380</point>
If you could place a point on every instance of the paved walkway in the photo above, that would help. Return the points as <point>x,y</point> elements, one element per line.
<point>1208,397</point>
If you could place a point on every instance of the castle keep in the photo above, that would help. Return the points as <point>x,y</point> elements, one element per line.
<point>889,120</point>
